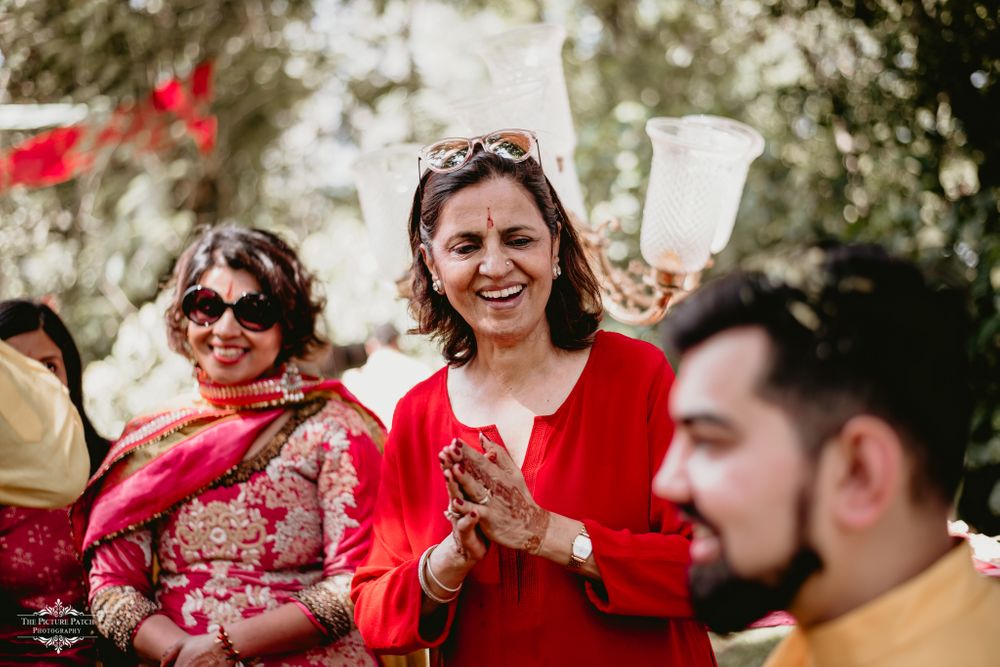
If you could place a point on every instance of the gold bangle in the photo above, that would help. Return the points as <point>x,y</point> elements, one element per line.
<point>232,654</point>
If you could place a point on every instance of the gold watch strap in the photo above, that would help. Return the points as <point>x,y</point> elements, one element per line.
<point>574,560</point>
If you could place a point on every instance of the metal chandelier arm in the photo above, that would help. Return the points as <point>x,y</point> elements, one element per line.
<point>638,295</point>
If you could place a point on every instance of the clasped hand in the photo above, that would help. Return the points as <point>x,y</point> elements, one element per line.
<point>490,489</point>
<point>195,651</point>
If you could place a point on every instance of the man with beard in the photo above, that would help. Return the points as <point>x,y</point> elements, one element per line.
<point>821,411</point>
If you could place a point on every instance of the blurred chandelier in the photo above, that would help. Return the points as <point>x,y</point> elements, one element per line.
<point>696,178</point>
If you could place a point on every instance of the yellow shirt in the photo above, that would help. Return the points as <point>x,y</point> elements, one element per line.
<point>43,456</point>
<point>947,616</point>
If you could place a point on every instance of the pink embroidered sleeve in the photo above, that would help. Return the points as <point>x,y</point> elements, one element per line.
<point>347,486</point>
<point>121,586</point>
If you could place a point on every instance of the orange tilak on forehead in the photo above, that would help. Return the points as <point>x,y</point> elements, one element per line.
<point>489,219</point>
<point>229,292</point>
<point>221,279</point>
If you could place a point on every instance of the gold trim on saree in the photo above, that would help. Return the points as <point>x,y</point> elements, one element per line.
<point>240,472</point>
<point>244,470</point>
<point>118,610</point>
<point>330,603</point>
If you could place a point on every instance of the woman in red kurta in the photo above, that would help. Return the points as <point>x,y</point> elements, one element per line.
<point>547,548</point>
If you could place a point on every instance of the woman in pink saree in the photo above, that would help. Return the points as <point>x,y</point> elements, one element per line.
<point>227,529</point>
<point>40,570</point>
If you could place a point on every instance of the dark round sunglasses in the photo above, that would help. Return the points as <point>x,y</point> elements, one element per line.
<point>253,310</point>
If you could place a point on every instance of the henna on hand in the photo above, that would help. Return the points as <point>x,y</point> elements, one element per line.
<point>523,509</point>
<point>470,545</point>
<point>539,525</point>
<point>512,518</point>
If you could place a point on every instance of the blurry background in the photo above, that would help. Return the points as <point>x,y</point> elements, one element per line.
<point>880,116</point>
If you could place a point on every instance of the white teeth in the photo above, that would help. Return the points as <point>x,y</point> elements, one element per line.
<point>228,352</point>
<point>501,293</point>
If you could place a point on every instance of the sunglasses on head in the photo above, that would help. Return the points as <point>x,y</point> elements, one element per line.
<point>450,154</point>
<point>253,310</point>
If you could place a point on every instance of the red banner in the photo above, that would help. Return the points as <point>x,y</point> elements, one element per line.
<point>61,154</point>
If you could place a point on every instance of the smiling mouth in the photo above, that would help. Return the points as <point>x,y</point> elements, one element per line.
<point>505,294</point>
<point>227,353</point>
<point>706,545</point>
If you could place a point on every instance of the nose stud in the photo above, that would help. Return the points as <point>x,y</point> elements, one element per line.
<point>486,265</point>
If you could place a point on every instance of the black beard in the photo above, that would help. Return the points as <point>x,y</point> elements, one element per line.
<point>726,602</point>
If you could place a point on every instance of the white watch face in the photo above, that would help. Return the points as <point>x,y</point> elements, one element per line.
<point>582,547</point>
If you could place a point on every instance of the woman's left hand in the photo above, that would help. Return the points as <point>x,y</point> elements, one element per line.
<point>495,489</point>
<point>196,651</point>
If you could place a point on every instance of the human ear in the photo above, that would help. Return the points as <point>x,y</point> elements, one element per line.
<point>869,474</point>
<point>425,254</point>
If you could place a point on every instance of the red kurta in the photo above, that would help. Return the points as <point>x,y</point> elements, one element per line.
<point>592,460</point>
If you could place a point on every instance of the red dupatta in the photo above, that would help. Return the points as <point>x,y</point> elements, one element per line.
<point>165,458</point>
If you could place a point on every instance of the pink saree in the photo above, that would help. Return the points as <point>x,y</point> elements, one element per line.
<point>180,521</point>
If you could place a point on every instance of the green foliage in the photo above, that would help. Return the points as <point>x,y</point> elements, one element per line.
<point>104,241</point>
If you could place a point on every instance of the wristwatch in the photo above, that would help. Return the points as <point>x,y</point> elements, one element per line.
<point>581,549</point>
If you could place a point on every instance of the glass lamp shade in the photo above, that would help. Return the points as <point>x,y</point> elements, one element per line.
<point>534,54</point>
<point>517,105</point>
<point>386,180</point>
<point>731,200</point>
<point>695,181</point>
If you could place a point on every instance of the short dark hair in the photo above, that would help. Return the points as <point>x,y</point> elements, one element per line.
<point>20,316</point>
<point>853,331</point>
<point>275,266</point>
<point>574,308</point>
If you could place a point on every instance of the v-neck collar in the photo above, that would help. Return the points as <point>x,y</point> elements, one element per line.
<point>541,424</point>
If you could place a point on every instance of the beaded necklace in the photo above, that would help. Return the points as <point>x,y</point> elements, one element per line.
<point>288,386</point>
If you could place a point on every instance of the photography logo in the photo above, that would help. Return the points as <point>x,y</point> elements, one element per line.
<point>58,627</point>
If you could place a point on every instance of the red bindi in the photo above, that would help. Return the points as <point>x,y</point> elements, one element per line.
<point>489,219</point>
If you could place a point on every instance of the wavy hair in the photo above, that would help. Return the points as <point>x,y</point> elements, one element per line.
<point>574,308</point>
<point>275,266</point>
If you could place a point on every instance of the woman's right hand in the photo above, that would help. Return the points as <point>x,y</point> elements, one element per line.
<point>470,542</point>
<point>457,554</point>
<point>195,651</point>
